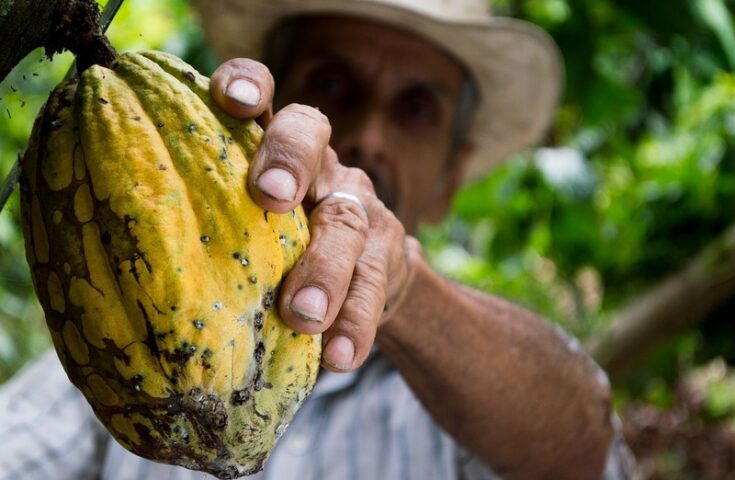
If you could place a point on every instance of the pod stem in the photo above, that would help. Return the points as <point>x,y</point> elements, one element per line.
<point>79,31</point>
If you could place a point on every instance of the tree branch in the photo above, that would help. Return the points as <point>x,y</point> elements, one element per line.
<point>55,25</point>
<point>679,302</point>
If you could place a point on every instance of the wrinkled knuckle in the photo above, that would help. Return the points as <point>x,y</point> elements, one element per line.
<point>305,113</point>
<point>326,257</point>
<point>342,215</point>
<point>370,271</point>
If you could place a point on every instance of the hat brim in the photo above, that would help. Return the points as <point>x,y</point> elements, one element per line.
<point>516,66</point>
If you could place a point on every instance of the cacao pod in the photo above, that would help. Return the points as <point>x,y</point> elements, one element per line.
<point>157,273</point>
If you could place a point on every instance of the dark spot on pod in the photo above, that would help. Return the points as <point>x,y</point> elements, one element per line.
<point>182,433</point>
<point>239,286</point>
<point>204,239</point>
<point>259,352</point>
<point>223,154</point>
<point>230,140</point>
<point>191,128</point>
<point>228,473</point>
<point>22,104</point>
<point>239,397</point>
<point>294,334</point>
<point>34,74</point>
<point>208,168</point>
<point>24,77</point>
<point>198,324</point>
<point>190,76</point>
<point>265,215</point>
<point>13,89</point>
<point>136,381</point>
<point>161,336</point>
<point>282,239</point>
<point>253,279</point>
<point>106,238</point>
<point>181,354</point>
<point>161,124</point>
<point>136,118</point>
<point>236,255</point>
<point>207,353</point>
<point>259,382</point>
<point>268,299</point>
<point>179,269</point>
<point>258,320</point>
<point>8,111</point>
<point>102,101</point>
<point>289,369</point>
<point>173,308</point>
<point>268,385</point>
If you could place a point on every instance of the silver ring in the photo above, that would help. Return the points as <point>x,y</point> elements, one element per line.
<point>346,196</point>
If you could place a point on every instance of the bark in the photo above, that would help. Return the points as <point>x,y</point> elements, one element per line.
<point>678,303</point>
<point>55,25</point>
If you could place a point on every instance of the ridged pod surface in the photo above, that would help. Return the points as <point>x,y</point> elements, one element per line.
<point>157,272</point>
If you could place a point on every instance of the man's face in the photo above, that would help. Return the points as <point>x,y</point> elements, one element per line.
<point>391,99</point>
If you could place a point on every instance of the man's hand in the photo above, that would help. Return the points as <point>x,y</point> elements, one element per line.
<point>357,262</point>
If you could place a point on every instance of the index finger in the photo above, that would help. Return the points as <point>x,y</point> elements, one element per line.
<point>243,88</point>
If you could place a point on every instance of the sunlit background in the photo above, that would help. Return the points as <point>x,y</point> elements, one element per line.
<point>623,217</point>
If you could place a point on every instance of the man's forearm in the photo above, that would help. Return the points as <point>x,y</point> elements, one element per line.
<point>503,383</point>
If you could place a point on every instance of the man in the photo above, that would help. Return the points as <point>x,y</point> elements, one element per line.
<point>422,378</point>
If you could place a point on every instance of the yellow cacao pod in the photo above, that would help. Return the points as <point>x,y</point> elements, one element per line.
<point>157,272</point>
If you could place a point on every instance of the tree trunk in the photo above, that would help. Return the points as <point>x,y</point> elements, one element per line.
<point>679,302</point>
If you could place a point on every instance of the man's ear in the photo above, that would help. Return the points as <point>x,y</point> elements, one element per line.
<point>447,186</point>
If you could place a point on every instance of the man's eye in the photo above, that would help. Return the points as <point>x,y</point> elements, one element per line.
<point>328,83</point>
<point>418,108</point>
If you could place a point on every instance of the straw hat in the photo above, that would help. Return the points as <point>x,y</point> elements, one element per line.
<point>516,66</point>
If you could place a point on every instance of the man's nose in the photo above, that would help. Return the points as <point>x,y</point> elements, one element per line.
<point>363,142</point>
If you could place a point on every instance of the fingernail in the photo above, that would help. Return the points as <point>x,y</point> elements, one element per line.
<point>340,352</point>
<point>310,303</point>
<point>243,91</point>
<point>278,183</point>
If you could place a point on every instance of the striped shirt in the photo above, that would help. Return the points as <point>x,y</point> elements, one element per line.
<point>362,425</point>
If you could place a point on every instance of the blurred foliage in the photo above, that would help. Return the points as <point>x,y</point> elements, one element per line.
<point>634,179</point>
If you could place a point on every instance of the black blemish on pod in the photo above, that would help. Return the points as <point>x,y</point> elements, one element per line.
<point>190,76</point>
<point>259,352</point>
<point>223,153</point>
<point>136,381</point>
<point>102,101</point>
<point>258,320</point>
<point>161,124</point>
<point>268,299</point>
<point>253,279</point>
<point>173,308</point>
<point>198,324</point>
<point>204,239</point>
<point>239,397</point>
<point>106,238</point>
<point>191,128</point>
<point>236,255</point>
